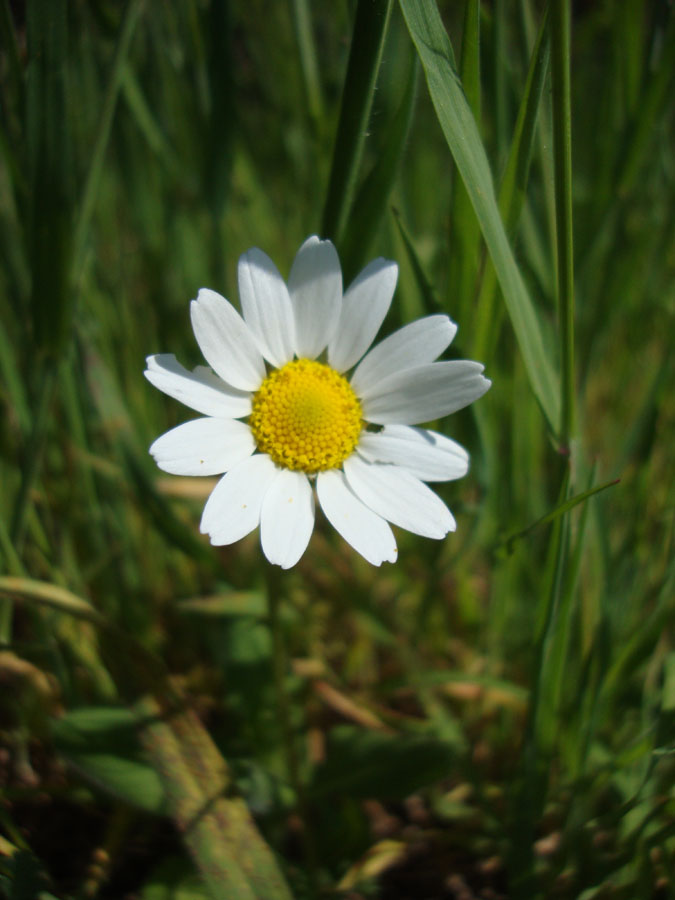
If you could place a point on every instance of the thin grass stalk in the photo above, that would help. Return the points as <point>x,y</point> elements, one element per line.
<point>274,592</point>
<point>512,189</point>
<point>302,24</point>
<point>370,28</point>
<point>562,152</point>
<point>543,138</point>
<point>465,234</point>
<point>530,794</point>
<point>373,194</point>
<point>93,177</point>
<point>34,450</point>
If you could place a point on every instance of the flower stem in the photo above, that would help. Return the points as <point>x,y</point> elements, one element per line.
<point>274,587</point>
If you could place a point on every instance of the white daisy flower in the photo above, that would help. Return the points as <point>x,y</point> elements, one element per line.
<point>282,421</point>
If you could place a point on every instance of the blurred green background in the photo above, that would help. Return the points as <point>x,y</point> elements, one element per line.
<point>493,716</point>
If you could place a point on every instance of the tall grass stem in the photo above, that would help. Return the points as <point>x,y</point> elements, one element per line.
<point>562,151</point>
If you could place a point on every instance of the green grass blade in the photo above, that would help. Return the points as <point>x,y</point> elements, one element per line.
<point>559,510</point>
<point>302,24</point>
<point>513,186</point>
<point>555,654</point>
<point>10,43</point>
<point>465,239</point>
<point>562,154</point>
<point>49,226</point>
<point>371,199</point>
<point>93,177</point>
<point>427,293</point>
<point>146,121</point>
<point>459,127</point>
<point>370,28</point>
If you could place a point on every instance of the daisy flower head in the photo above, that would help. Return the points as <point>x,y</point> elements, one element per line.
<point>295,405</point>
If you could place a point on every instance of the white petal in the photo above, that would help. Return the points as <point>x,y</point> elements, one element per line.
<point>201,390</point>
<point>399,497</point>
<point>367,532</point>
<point>420,342</point>
<point>315,286</point>
<point>203,447</point>
<point>364,307</point>
<point>428,455</point>
<point>425,393</point>
<point>233,509</point>
<point>226,342</point>
<point>266,305</point>
<point>287,518</point>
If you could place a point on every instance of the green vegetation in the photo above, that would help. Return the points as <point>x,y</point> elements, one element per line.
<point>494,715</point>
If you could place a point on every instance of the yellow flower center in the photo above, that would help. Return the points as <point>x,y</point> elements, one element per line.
<point>306,417</point>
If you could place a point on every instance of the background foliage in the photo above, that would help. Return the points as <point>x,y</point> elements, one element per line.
<point>491,717</point>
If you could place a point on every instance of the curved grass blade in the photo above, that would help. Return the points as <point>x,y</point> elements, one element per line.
<point>461,133</point>
<point>371,199</point>
<point>559,510</point>
<point>91,182</point>
<point>430,302</point>
<point>370,28</point>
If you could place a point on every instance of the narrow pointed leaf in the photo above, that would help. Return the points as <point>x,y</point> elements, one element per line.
<point>461,133</point>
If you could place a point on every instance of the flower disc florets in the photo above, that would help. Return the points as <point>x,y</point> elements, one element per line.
<point>306,417</point>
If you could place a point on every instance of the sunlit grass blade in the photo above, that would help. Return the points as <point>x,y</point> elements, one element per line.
<point>459,127</point>
<point>512,190</point>
<point>371,200</point>
<point>370,28</point>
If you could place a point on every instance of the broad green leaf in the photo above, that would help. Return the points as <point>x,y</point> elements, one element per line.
<point>461,133</point>
<point>371,764</point>
<point>102,745</point>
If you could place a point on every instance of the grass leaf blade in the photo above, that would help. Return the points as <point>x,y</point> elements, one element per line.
<point>370,28</point>
<point>461,133</point>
